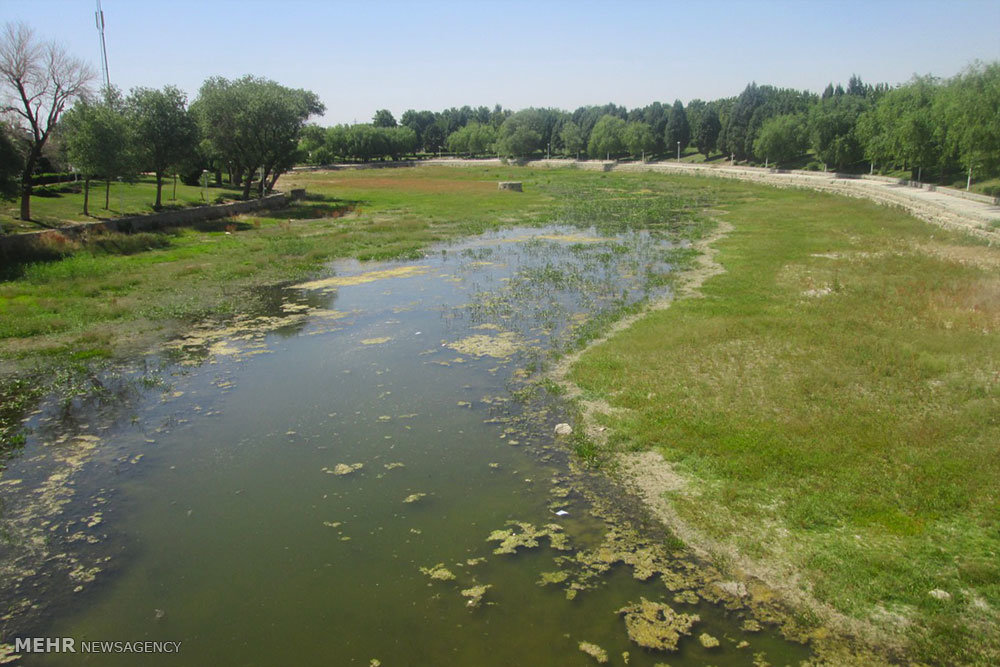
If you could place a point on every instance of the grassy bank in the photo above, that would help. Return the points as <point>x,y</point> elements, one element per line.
<point>833,402</point>
<point>55,205</point>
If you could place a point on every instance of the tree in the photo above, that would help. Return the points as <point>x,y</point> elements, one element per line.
<point>97,140</point>
<point>781,138</point>
<point>164,130</point>
<point>313,142</point>
<point>433,138</point>
<point>255,124</point>
<point>908,134</point>
<point>706,133</point>
<point>638,138</point>
<point>831,129</point>
<point>678,130</point>
<point>572,138</point>
<point>402,141</point>
<point>419,122</point>
<point>522,133</point>
<point>335,144</point>
<point>42,79</point>
<point>473,139</point>
<point>384,118</point>
<point>969,108</point>
<point>606,139</point>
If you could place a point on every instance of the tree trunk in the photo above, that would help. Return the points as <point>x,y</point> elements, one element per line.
<point>86,195</point>
<point>263,181</point>
<point>107,193</point>
<point>26,199</point>
<point>274,180</point>
<point>246,185</point>
<point>218,176</point>
<point>29,169</point>
<point>159,187</point>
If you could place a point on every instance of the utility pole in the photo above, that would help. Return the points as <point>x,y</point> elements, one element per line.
<point>99,17</point>
<point>678,151</point>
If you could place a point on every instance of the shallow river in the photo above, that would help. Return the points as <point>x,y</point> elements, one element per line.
<point>318,484</point>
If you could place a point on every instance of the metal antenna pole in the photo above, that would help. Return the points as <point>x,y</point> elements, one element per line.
<point>99,17</point>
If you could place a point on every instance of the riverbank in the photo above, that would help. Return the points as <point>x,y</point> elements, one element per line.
<point>817,417</point>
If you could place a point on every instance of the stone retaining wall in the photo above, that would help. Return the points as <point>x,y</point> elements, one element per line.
<point>19,246</point>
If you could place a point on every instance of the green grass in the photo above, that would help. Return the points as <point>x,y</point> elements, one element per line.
<point>835,396</point>
<point>54,205</point>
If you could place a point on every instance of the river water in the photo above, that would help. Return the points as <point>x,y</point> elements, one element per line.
<point>318,483</point>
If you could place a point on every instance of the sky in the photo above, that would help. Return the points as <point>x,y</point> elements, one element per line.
<point>363,56</point>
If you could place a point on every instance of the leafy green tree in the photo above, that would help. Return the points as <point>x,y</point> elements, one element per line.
<point>384,118</point>
<point>521,141</point>
<point>873,138</point>
<point>164,130</point>
<point>402,141</point>
<point>832,129</point>
<point>312,143</point>
<point>678,130</point>
<point>907,132</point>
<point>473,139</point>
<point>458,141</point>
<point>523,133</point>
<point>607,137</point>
<point>969,108</point>
<point>572,138</point>
<point>335,145</point>
<point>255,124</point>
<point>638,138</point>
<point>434,138</point>
<point>756,104</point>
<point>782,138</point>
<point>366,142</point>
<point>97,140</point>
<point>419,121</point>
<point>706,134</point>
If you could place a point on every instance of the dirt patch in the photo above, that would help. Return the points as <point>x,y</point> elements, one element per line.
<point>408,184</point>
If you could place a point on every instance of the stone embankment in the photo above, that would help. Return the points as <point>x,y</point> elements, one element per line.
<point>14,246</point>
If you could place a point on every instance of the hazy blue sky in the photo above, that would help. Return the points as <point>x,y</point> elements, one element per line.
<point>362,56</point>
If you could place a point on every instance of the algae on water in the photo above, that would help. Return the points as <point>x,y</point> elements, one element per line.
<point>594,651</point>
<point>526,535</point>
<point>475,595</point>
<point>344,468</point>
<point>655,625</point>
<point>439,572</point>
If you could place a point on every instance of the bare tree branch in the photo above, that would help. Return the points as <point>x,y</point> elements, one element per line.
<point>38,81</point>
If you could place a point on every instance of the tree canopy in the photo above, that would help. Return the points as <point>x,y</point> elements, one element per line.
<point>165,132</point>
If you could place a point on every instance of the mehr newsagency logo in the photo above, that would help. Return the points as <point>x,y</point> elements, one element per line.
<point>70,645</point>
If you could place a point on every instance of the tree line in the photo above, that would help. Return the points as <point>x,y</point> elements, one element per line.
<point>249,127</point>
<point>254,129</point>
<point>926,125</point>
